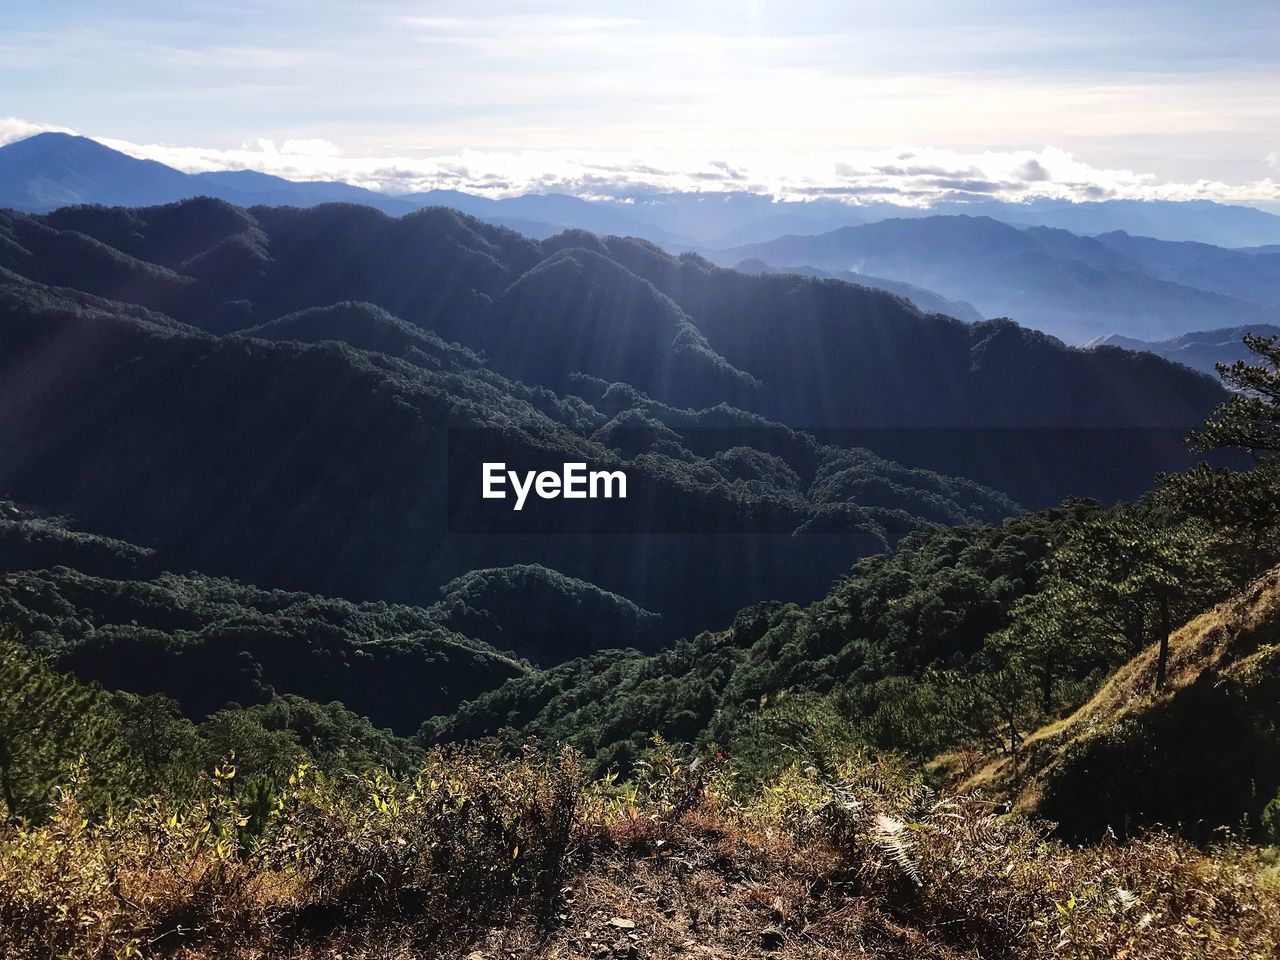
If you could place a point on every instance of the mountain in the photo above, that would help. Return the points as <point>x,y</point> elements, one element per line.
<point>1201,221</point>
<point>552,212</point>
<point>1248,274</point>
<point>1197,754</point>
<point>1078,288</point>
<point>109,612</point>
<point>1201,350</point>
<point>722,219</point>
<point>208,641</point>
<point>52,169</point>
<point>934,600</point>
<point>924,300</point>
<point>719,220</point>
<point>250,188</point>
<point>349,448</point>
<point>619,309</point>
<point>56,169</point>
<point>287,384</point>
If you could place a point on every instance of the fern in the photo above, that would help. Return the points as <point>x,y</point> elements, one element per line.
<point>891,836</point>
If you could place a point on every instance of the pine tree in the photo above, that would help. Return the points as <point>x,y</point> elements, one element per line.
<point>1244,504</point>
<point>49,723</point>
<point>1250,419</point>
<point>1111,587</point>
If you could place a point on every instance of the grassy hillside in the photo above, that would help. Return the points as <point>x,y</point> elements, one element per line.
<point>1199,755</point>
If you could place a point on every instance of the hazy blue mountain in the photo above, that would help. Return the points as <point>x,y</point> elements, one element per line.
<point>784,224</point>
<point>925,300</point>
<point>1251,273</point>
<point>725,219</point>
<point>1204,221</point>
<point>1077,288</point>
<point>722,220</point>
<point>1200,350</point>
<point>253,188</point>
<point>55,169</point>
<point>52,170</point>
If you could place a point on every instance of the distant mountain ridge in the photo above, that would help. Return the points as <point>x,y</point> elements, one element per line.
<point>1077,288</point>
<point>1201,350</point>
<point>925,300</point>
<point>54,169</point>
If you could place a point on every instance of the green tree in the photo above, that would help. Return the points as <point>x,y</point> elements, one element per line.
<point>1244,504</point>
<point>1123,577</point>
<point>1250,419</point>
<point>49,722</point>
<point>258,751</point>
<point>165,746</point>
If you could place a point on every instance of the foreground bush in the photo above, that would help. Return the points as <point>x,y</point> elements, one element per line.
<point>485,856</point>
<point>468,841</point>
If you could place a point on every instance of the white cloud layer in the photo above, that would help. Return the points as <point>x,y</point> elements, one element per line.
<point>13,128</point>
<point>908,175</point>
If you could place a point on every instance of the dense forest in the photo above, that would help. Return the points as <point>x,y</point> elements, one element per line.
<point>345,345</point>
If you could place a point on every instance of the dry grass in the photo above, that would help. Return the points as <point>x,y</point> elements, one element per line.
<point>1228,641</point>
<point>482,857</point>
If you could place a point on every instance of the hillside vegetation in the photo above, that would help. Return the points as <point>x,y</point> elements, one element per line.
<point>1198,754</point>
<point>476,855</point>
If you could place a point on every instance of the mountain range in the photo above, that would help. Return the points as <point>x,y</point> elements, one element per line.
<point>238,452</point>
<point>1202,350</point>
<point>243,617</point>
<point>270,394</point>
<point>1078,288</point>
<point>925,300</point>
<point>50,170</point>
<point>1011,261</point>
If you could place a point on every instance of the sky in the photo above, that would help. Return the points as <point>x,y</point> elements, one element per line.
<point>918,99</point>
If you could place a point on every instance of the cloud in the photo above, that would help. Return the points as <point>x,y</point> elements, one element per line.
<point>13,128</point>
<point>908,174</point>
<point>1033,171</point>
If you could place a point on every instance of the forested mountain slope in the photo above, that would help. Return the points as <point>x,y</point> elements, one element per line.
<point>334,478</point>
<point>268,394</point>
<point>108,612</point>
<point>936,599</point>
<point>804,351</point>
<point>208,642</point>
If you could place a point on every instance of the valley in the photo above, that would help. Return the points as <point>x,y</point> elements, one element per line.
<point>864,567</point>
